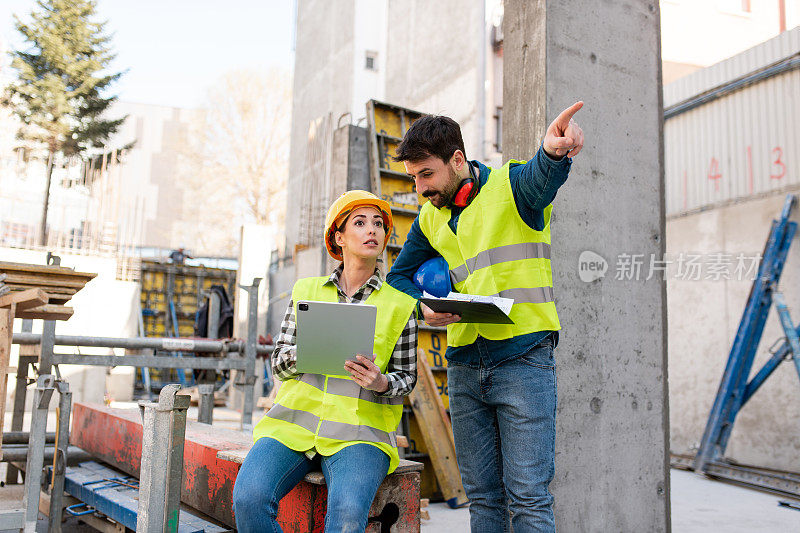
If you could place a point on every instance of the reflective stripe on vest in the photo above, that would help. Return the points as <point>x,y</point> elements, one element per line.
<point>500,254</point>
<point>495,253</point>
<point>348,387</point>
<point>328,413</point>
<point>331,430</point>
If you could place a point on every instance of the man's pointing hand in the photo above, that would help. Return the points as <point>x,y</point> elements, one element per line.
<point>564,136</point>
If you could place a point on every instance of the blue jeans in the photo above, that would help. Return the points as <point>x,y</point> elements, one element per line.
<point>504,428</point>
<point>271,470</point>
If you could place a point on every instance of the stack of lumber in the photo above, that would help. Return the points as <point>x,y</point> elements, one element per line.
<point>40,291</point>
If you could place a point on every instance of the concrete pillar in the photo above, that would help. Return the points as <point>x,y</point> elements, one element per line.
<point>349,170</point>
<point>612,471</point>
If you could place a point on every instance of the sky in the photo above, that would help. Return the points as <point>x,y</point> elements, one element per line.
<point>175,49</point>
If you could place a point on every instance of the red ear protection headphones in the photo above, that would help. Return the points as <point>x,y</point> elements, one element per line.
<point>466,190</point>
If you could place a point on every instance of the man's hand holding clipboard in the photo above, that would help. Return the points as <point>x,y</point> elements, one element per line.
<point>466,308</point>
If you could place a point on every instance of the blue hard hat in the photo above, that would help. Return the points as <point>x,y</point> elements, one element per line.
<point>434,277</point>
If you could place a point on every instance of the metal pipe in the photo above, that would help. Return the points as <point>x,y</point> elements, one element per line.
<point>213,315</point>
<point>34,454</point>
<point>59,460</point>
<point>765,372</point>
<point>144,343</point>
<point>249,378</point>
<point>21,437</point>
<point>151,361</point>
<point>782,66</point>
<point>19,454</point>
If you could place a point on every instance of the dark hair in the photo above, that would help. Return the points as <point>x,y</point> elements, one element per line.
<point>431,135</point>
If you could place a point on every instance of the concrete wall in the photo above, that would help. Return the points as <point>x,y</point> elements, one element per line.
<point>433,50</point>
<point>704,315</point>
<point>612,422</point>
<point>740,145</point>
<point>719,223</point>
<point>323,83</point>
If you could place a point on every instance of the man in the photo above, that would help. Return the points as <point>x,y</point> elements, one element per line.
<point>179,256</point>
<point>492,226</point>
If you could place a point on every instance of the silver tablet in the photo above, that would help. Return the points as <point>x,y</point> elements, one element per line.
<point>328,334</point>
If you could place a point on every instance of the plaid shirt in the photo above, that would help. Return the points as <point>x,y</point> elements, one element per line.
<point>402,370</point>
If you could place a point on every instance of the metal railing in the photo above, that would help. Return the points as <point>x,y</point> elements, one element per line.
<point>238,355</point>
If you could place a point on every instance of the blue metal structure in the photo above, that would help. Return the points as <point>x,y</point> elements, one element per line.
<point>735,389</point>
<point>107,491</point>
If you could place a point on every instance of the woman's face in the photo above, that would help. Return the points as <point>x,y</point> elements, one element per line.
<point>363,233</point>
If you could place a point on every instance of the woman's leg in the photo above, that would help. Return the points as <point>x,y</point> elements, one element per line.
<point>268,473</point>
<point>353,476</point>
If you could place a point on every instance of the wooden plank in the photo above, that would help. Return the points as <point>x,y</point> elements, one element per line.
<point>6,332</point>
<point>25,299</point>
<point>437,433</point>
<point>55,297</point>
<point>43,269</point>
<point>47,312</point>
<point>52,291</point>
<point>49,289</point>
<point>45,281</point>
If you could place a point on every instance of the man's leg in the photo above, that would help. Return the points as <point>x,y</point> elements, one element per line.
<point>477,447</point>
<point>524,392</point>
<point>268,473</point>
<point>353,475</point>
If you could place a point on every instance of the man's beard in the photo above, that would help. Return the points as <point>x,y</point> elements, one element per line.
<point>445,197</point>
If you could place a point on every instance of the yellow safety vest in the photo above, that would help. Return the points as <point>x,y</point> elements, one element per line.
<point>328,413</point>
<point>495,253</point>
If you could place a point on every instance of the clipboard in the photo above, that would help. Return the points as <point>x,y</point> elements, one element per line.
<point>471,312</point>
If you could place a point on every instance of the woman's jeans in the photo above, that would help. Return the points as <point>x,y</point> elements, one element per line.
<point>271,470</point>
<point>504,427</point>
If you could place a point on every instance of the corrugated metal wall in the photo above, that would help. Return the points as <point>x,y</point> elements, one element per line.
<point>739,145</point>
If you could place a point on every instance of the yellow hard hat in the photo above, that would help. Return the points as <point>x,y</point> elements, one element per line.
<point>342,207</point>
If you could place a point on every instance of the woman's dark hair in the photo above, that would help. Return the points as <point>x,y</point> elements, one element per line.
<point>431,135</point>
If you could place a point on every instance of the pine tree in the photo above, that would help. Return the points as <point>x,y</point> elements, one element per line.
<point>60,92</point>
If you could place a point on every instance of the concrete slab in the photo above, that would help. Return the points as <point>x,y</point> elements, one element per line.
<point>442,518</point>
<point>700,504</point>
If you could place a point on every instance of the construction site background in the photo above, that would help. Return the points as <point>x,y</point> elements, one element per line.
<point>729,162</point>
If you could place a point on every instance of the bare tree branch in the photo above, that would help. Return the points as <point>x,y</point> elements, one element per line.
<point>234,159</point>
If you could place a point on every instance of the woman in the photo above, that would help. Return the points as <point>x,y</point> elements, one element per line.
<point>352,439</point>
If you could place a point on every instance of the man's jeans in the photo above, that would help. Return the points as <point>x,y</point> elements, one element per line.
<point>271,470</point>
<point>504,428</point>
